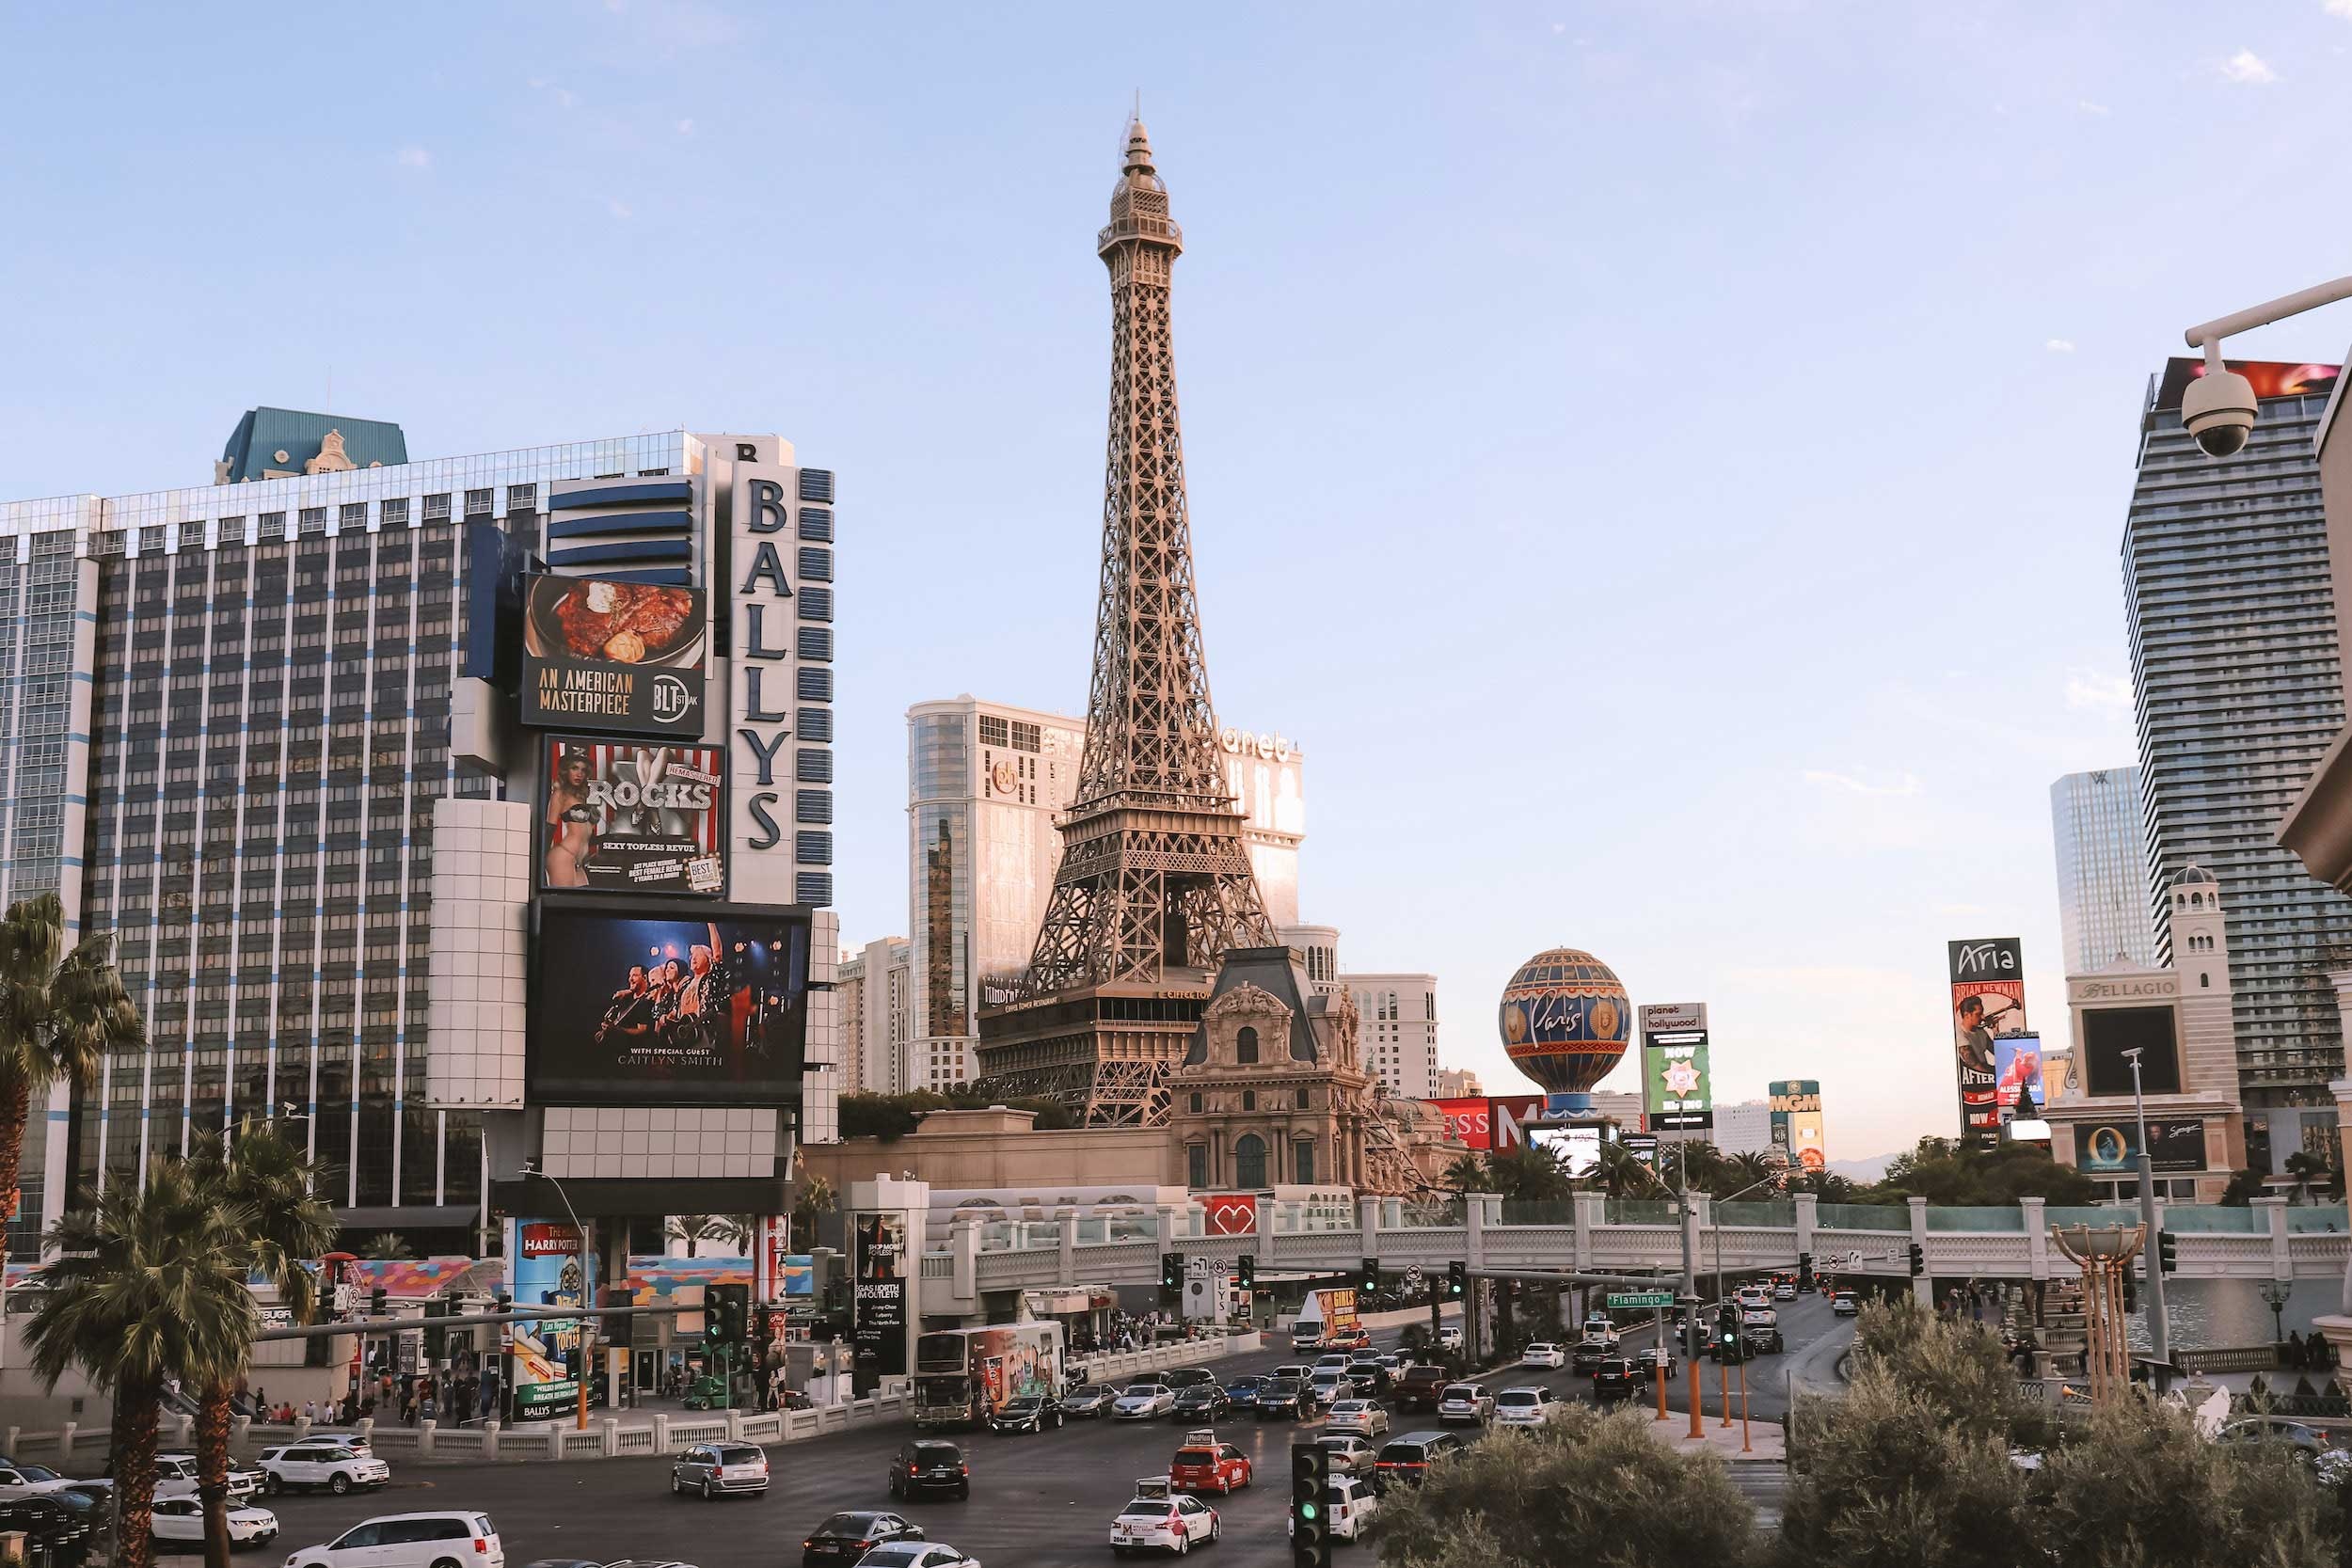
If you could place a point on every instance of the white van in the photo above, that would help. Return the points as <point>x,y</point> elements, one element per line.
<point>464,1539</point>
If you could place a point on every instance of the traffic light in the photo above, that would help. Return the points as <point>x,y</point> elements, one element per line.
<point>1246,1271</point>
<point>1171,1274</point>
<point>379,1302</point>
<point>1918,1261</point>
<point>2167,1253</point>
<point>730,1307</point>
<point>1804,1273</point>
<point>1457,1280</point>
<point>436,1338</point>
<point>1726,1332</point>
<point>1311,1522</point>
<point>1369,1278</point>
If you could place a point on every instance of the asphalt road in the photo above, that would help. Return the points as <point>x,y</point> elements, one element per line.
<point>1043,1501</point>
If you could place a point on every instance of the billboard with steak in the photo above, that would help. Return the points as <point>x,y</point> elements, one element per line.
<point>620,656</point>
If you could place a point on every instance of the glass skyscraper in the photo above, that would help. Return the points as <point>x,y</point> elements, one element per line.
<point>2102,870</point>
<point>2234,655</point>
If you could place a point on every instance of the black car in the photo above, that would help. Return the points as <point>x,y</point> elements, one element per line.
<point>1368,1379</point>
<point>1243,1391</point>
<point>1201,1403</point>
<point>1615,1379</point>
<point>846,1537</point>
<point>1090,1400</point>
<point>927,1464</point>
<point>1761,1339</point>
<point>1292,1398</point>
<point>1029,1413</point>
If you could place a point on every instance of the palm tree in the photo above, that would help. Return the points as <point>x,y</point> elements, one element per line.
<point>388,1244</point>
<point>264,1188</point>
<point>1743,1171</point>
<point>58,1015</point>
<point>815,1197</point>
<point>737,1230</point>
<point>693,1229</point>
<point>148,1284</point>
<point>1619,1171</point>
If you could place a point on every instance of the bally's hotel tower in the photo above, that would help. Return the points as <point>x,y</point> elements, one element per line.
<point>234,720</point>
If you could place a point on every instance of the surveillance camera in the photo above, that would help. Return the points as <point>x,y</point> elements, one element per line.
<point>2218,410</point>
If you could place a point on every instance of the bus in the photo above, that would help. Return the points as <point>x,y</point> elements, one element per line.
<point>964,1375</point>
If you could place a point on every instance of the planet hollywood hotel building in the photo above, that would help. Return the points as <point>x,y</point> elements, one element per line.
<point>268,730</point>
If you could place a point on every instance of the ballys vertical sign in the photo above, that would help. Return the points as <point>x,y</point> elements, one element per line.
<point>762,676</point>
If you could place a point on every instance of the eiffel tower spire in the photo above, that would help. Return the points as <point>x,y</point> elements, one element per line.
<point>1155,883</point>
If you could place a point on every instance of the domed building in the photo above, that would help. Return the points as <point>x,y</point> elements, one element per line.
<point>1565,1019</point>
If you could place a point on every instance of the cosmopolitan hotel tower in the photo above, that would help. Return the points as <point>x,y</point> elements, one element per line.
<point>2234,640</point>
<point>226,728</point>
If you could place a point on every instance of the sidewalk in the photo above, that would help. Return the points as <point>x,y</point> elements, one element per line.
<point>1766,1444</point>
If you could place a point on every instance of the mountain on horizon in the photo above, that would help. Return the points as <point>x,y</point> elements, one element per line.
<point>1863,1171</point>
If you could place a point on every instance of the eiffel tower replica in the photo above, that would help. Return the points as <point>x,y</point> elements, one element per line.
<point>1154,885</point>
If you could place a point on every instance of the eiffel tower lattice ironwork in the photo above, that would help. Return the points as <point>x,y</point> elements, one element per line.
<point>1154,882</point>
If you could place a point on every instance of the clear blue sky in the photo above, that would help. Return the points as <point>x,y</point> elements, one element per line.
<point>1664,460</point>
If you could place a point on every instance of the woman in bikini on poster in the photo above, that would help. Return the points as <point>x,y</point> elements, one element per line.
<point>571,822</point>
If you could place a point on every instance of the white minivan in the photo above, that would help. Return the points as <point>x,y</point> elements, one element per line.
<point>409,1540</point>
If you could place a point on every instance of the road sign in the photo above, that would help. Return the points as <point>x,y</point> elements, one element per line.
<point>1627,1300</point>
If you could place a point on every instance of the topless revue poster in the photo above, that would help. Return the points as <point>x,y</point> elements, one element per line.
<point>667,1007</point>
<point>618,816</point>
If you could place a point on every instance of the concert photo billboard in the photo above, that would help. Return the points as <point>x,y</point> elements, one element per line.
<point>619,657</point>
<point>623,816</point>
<point>1988,1000</point>
<point>653,1004</point>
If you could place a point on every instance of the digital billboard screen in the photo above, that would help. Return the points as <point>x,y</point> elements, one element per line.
<point>2109,1032</point>
<point>625,817</point>
<point>653,1004</point>
<point>1675,1092</point>
<point>1987,999</point>
<point>623,657</point>
<point>2175,1144</point>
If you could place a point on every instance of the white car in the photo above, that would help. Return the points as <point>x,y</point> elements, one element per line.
<point>1350,1456</point>
<point>1755,1296</point>
<point>176,1475</point>
<point>1144,1401</point>
<point>1544,1354</point>
<point>337,1467</point>
<point>1351,1504</point>
<point>1338,1361</point>
<point>1465,1402</point>
<point>409,1540</point>
<point>1361,1416</point>
<point>1450,1335</point>
<point>916,1554</point>
<point>1163,1525</point>
<point>20,1482</point>
<point>182,1519</point>
<point>1526,1406</point>
<point>1784,1291</point>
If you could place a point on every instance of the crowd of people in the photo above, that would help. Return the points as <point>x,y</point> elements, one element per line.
<point>382,1396</point>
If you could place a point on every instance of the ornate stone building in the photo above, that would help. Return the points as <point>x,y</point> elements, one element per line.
<point>1272,1092</point>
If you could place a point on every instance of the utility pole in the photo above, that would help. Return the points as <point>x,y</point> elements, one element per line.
<point>2159,1321</point>
<point>1683,1215</point>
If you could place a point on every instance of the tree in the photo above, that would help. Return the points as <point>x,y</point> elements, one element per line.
<point>1745,1171</point>
<point>1883,1478</point>
<point>1956,1367</point>
<point>390,1245</point>
<point>263,1191</point>
<point>1828,1186</point>
<point>1944,1173</point>
<point>693,1229</point>
<point>1619,1172</point>
<point>2143,1487</point>
<point>739,1231</point>
<point>60,1012</point>
<point>1584,1489</point>
<point>813,1198</point>
<point>148,1284</point>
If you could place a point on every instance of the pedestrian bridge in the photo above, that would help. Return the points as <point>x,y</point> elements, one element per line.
<point>1593,1234</point>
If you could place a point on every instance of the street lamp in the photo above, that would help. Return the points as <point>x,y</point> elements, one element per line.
<point>587,1288</point>
<point>2274,1294</point>
<point>2217,408</point>
<point>2159,1320</point>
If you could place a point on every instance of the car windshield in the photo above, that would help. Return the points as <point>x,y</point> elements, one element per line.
<point>1519,1396</point>
<point>1020,1405</point>
<point>847,1524</point>
<point>1147,1389</point>
<point>35,1472</point>
<point>1282,1385</point>
<point>892,1557</point>
<point>1351,1407</point>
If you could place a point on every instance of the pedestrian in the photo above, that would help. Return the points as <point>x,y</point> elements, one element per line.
<point>427,1407</point>
<point>310,1410</point>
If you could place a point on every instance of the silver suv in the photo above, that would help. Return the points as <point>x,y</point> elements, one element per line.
<point>714,1469</point>
<point>1465,1402</point>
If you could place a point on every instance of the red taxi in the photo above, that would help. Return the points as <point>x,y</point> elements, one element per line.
<point>1206,1465</point>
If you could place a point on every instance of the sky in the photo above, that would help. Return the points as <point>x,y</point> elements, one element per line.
<point>1664,462</point>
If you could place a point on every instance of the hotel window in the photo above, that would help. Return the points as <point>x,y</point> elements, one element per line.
<point>353,515</point>
<point>995,730</point>
<point>1248,1100</point>
<point>395,512</point>
<point>521,498</point>
<point>313,519</point>
<point>478,503</point>
<point>436,509</point>
<point>1196,1102</point>
<point>1250,1161</point>
<point>1303,1162</point>
<point>1196,1164</point>
<point>151,540</point>
<point>1246,1045</point>
<point>192,536</point>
